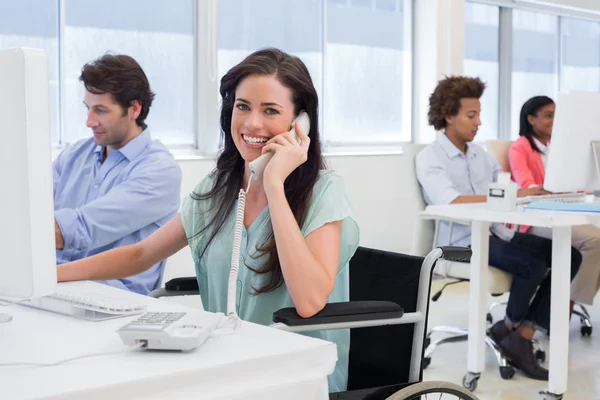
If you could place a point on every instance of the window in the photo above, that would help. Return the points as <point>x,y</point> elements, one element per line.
<point>534,60</point>
<point>580,60</point>
<point>357,51</point>
<point>482,55</point>
<point>159,35</point>
<point>34,23</point>
<point>245,26</point>
<point>367,73</point>
<point>365,97</point>
<point>523,52</point>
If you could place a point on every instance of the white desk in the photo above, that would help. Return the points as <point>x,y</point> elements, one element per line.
<point>257,362</point>
<point>561,224</point>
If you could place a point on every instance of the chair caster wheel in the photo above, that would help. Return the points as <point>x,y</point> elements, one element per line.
<point>540,355</point>
<point>551,396</point>
<point>586,331</point>
<point>470,380</point>
<point>426,362</point>
<point>507,372</point>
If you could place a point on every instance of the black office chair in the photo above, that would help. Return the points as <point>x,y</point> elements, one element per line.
<point>387,311</point>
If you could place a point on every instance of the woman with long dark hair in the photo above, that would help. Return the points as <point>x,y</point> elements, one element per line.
<point>299,229</point>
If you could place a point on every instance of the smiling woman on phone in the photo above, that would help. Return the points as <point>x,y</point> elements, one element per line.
<point>299,228</point>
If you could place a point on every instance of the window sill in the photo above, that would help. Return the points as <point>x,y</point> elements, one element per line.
<point>355,151</point>
<point>195,155</point>
<point>191,155</point>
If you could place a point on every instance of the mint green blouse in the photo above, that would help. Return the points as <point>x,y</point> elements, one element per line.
<point>329,203</point>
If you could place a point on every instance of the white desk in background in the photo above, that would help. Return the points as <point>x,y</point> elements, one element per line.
<point>560,222</point>
<point>257,362</point>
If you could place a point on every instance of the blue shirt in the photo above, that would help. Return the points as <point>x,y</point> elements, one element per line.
<point>329,203</point>
<point>445,173</point>
<point>103,205</point>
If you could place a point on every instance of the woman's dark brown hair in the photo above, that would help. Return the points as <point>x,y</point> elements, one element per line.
<point>123,78</point>
<point>292,73</point>
<point>445,99</point>
<point>531,107</point>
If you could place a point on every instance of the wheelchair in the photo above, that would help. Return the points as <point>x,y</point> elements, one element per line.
<point>387,317</point>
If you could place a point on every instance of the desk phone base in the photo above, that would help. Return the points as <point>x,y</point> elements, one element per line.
<point>165,331</point>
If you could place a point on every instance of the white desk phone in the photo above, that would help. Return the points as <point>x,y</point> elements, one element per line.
<point>180,331</point>
<point>167,331</point>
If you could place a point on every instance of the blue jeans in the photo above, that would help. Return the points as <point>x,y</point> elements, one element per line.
<point>528,258</point>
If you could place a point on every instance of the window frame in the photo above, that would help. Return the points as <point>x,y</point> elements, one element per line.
<point>378,147</point>
<point>202,10</point>
<point>505,45</point>
<point>205,80</point>
<point>205,141</point>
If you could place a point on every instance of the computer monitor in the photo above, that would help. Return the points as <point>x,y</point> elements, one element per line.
<point>27,242</point>
<point>572,163</point>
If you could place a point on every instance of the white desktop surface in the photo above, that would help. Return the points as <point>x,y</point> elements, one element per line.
<point>479,216</point>
<point>481,212</point>
<point>257,362</point>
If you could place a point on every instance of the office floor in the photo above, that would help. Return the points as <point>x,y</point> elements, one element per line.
<point>450,360</point>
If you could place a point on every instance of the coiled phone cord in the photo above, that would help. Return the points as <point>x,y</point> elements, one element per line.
<point>232,315</point>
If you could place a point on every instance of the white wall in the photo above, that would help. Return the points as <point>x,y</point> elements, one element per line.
<point>380,186</point>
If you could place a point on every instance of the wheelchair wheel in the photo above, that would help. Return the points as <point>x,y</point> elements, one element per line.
<point>440,390</point>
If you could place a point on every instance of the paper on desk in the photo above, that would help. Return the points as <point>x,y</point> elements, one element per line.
<point>570,207</point>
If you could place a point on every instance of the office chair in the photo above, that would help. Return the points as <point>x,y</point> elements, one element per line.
<point>387,312</point>
<point>499,150</point>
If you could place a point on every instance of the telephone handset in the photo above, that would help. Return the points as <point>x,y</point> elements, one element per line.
<point>257,167</point>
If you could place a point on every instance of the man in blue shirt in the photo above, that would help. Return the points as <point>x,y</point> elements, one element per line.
<point>453,170</point>
<point>119,186</point>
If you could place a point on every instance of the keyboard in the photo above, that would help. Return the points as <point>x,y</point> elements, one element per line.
<point>86,305</point>
<point>554,198</point>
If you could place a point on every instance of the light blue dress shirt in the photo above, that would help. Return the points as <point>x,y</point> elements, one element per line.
<point>445,173</point>
<point>329,203</point>
<point>103,205</point>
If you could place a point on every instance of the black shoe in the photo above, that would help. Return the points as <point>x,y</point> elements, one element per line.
<point>498,331</point>
<point>521,354</point>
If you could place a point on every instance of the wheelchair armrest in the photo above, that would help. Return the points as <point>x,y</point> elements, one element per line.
<point>342,312</point>
<point>177,287</point>
<point>459,254</point>
<point>186,284</point>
